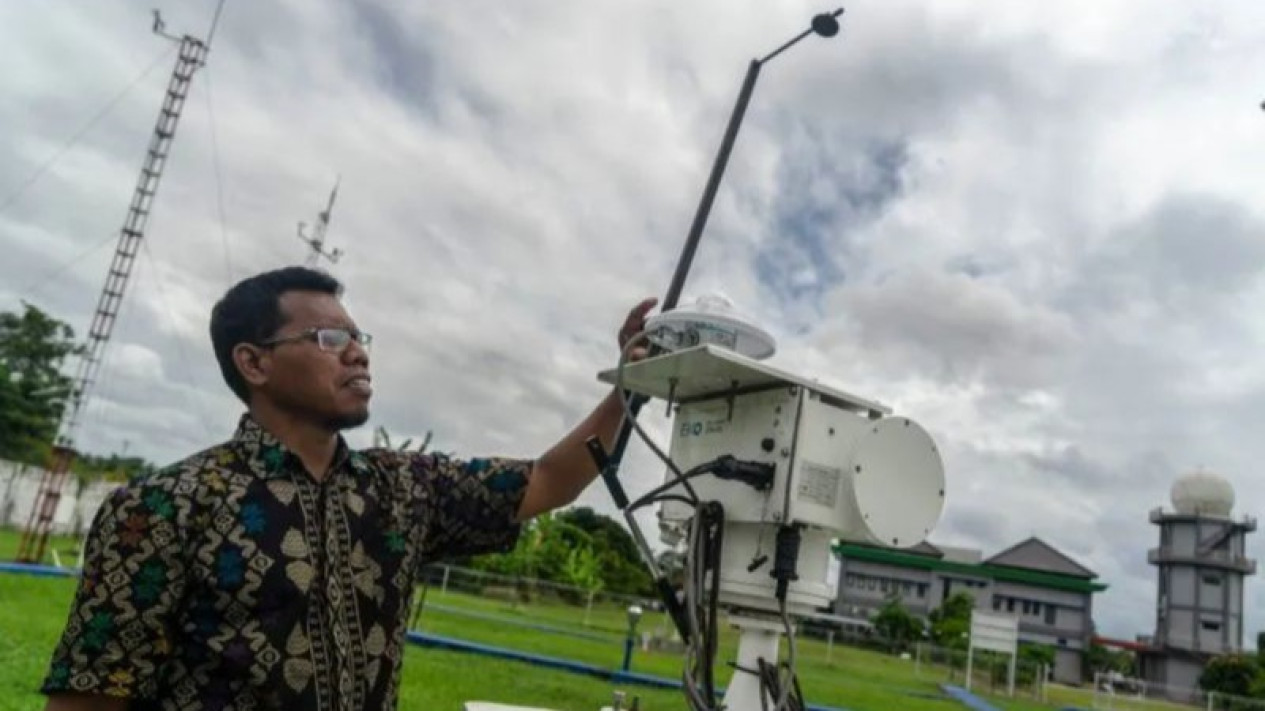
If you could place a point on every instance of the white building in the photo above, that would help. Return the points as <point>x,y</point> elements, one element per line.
<point>1050,593</point>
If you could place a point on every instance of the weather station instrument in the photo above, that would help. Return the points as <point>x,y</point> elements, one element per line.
<point>765,471</point>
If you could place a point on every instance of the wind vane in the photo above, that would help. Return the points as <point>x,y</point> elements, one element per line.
<point>316,243</point>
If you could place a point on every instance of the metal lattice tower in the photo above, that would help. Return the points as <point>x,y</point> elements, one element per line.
<point>191,56</point>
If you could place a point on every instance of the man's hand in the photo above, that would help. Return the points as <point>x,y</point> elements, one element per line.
<point>634,324</point>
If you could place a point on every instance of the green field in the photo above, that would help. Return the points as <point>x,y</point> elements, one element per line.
<point>33,609</point>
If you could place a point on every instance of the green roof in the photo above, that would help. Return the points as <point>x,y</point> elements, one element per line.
<point>1055,581</point>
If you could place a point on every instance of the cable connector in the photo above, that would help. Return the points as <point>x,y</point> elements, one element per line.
<point>758,475</point>
<point>788,538</point>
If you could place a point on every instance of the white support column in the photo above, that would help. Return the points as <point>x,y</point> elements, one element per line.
<point>758,640</point>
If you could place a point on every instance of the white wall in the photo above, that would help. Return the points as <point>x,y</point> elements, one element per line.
<point>1181,591</point>
<point>1184,540</point>
<point>19,485</point>
<point>1181,625</point>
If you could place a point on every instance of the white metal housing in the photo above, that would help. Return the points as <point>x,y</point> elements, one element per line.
<point>842,469</point>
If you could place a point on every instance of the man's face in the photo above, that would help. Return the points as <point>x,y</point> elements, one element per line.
<point>327,384</point>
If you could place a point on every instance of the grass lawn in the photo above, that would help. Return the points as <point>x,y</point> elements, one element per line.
<point>33,609</point>
<point>66,547</point>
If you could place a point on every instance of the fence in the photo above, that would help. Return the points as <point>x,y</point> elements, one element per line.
<point>1115,692</point>
<point>990,671</point>
<point>521,590</point>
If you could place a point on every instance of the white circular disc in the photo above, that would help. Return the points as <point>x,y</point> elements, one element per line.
<point>898,482</point>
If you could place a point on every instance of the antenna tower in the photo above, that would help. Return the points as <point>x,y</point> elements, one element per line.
<point>316,243</point>
<point>191,56</point>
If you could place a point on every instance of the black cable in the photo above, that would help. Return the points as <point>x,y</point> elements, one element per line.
<point>671,497</point>
<point>692,583</point>
<point>704,556</point>
<point>199,409</point>
<point>767,684</point>
<point>771,688</point>
<point>38,285</point>
<point>219,178</point>
<point>13,196</point>
<point>630,417</point>
<point>651,496</point>
<point>717,542</point>
<point>755,474</point>
<point>215,22</point>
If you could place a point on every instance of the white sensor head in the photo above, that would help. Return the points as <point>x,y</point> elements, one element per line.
<point>710,320</point>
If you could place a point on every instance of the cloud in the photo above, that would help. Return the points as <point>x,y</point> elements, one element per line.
<point>1034,229</point>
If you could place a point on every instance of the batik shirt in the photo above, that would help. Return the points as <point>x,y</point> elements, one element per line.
<point>235,580</point>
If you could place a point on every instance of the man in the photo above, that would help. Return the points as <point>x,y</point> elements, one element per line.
<point>276,570</point>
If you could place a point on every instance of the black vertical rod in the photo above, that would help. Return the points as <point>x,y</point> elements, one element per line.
<point>713,184</point>
<point>611,470</point>
<point>609,464</point>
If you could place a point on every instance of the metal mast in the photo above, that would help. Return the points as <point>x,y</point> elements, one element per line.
<point>316,243</point>
<point>191,56</point>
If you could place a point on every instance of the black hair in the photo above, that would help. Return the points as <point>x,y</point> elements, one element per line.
<point>250,312</point>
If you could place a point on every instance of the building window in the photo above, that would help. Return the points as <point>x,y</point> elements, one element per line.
<point>1214,580</point>
<point>997,603</point>
<point>1049,615</point>
<point>922,590</point>
<point>1010,604</point>
<point>1210,626</point>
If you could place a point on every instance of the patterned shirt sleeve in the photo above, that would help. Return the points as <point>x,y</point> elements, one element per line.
<point>469,506</point>
<point>119,630</point>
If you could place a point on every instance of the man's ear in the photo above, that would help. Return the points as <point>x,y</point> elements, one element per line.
<point>252,362</point>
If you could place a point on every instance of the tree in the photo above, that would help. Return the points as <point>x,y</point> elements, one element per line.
<point>583,569</point>
<point>33,390</point>
<point>1032,657</point>
<point>622,568</point>
<point>543,552</point>
<point>1229,674</point>
<point>1101,660</point>
<point>897,625</point>
<point>114,467</point>
<point>576,547</point>
<point>951,622</point>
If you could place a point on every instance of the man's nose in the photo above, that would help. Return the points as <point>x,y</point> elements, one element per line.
<point>356,354</point>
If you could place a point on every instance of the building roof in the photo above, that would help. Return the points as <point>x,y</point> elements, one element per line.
<point>1036,554</point>
<point>987,569</point>
<point>925,548</point>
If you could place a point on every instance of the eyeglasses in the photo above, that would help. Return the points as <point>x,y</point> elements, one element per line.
<point>327,339</point>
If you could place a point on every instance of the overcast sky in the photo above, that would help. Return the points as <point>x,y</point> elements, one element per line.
<point>1033,227</point>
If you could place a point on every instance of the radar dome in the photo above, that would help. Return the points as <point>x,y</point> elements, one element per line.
<point>1203,493</point>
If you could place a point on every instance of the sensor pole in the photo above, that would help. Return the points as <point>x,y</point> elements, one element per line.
<point>826,25</point>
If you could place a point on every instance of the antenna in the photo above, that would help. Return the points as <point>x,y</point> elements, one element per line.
<point>316,243</point>
<point>191,56</point>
